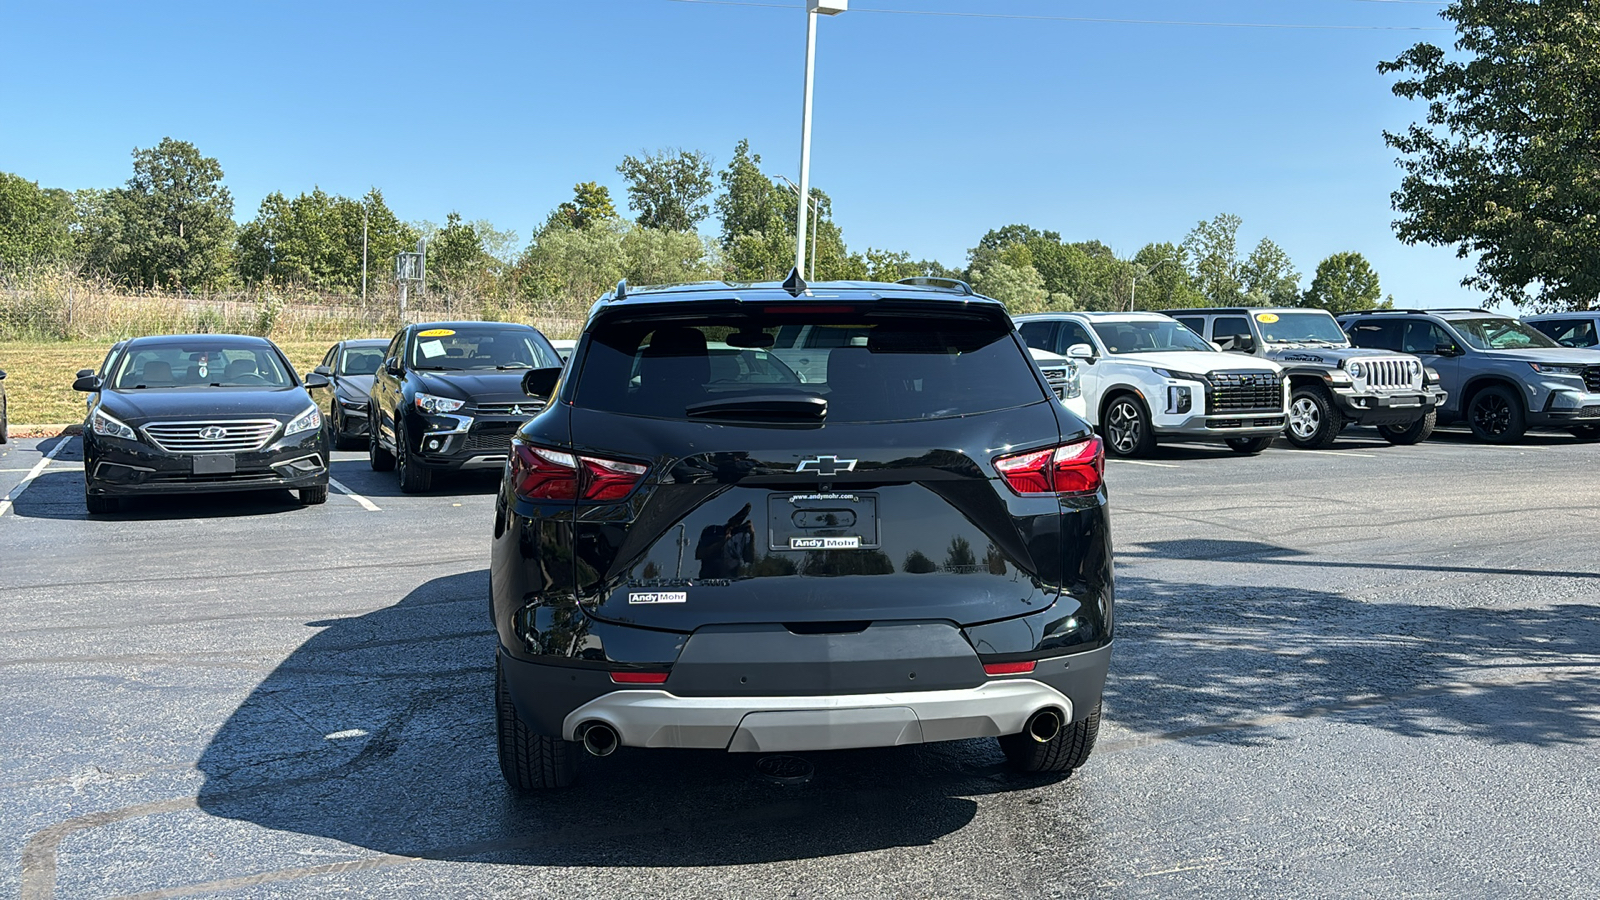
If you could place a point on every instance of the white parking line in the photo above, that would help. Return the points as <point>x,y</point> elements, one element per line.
<point>1335,453</point>
<point>366,504</point>
<point>5,504</point>
<point>1136,462</point>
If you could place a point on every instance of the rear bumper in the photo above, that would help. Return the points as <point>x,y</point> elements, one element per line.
<point>564,700</point>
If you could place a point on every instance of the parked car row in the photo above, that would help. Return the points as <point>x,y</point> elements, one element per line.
<point>779,518</point>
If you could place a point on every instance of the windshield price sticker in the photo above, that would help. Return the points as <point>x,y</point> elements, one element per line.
<point>431,349</point>
<point>1266,318</point>
<point>660,597</point>
<point>825,543</point>
<point>435,332</point>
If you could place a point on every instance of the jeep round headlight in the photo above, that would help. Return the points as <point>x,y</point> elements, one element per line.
<point>1356,370</point>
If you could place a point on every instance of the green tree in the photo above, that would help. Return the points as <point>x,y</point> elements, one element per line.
<point>1020,288</point>
<point>590,204</point>
<point>34,223</point>
<point>1345,282</point>
<point>1269,276</point>
<point>758,224</point>
<point>1166,283</point>
<point>1506,165</point>
<point>315,240</point>
<point>1213,248</point>
<point>177,219</point>
<point>456,254</point>
<point>668,189</point>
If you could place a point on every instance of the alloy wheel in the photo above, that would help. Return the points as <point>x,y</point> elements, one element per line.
<point>1491,413</point>
<point>1305,418</point>
<point>1123,426</point>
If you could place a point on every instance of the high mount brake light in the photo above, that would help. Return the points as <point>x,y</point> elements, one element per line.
<point>1076,468</point>
<point>539,473</point>
<point>809,310</point>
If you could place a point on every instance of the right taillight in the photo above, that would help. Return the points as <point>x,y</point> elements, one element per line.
<point>1076,468</point>
<point>539,473</point>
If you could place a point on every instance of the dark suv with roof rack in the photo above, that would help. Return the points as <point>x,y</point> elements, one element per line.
<point>1503,376</point>
<point>695,548</point>
<point>449,397</point>
<point>1331,383</point>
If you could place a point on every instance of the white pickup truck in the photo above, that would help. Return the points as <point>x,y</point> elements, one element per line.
<point>1147,377</point>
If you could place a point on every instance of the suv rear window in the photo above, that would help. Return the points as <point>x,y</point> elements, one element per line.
<point>883,367</point>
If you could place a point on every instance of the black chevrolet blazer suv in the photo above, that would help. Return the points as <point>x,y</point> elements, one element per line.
<point>697,547</point>
<point>449,397</point>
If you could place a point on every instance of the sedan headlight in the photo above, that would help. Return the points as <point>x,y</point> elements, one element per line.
<point>311,418</point>
<point>110,427</point>
<point>429,403</point>
<point>1551,369</point>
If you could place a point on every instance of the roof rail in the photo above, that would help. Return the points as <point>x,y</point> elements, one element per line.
<point>1394,312</point>
<point>942,284</point>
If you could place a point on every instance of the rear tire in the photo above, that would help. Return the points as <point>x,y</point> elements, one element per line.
<point>380,459</point>
<point>414,479</point>
<point>314,496</point>
<point>341,441</point>
<point>529,762</point>
<point>1314,420</point>
<point>1495,415</point>
<point>1125,425</point>
<point>1250,446</point>
<point>1065,752</point>
<point>1415,433</point>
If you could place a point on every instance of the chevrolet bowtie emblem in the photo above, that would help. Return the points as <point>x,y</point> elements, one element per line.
<point>826,466</point>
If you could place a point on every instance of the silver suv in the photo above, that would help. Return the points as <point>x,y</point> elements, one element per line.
<point>1503,376</point>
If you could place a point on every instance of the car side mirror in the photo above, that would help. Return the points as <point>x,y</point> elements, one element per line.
<point>392,365</point>
<point>1244,344</point>
<point>1080,351</point>
<point>1447,350</point>
<point>81,373</point>
<point>87,384</point>
<point>323,370</point>
<point>1216,346</point>
<point>315,380</point>
<point>541,382</point>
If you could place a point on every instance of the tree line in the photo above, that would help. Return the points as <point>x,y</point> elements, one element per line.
<point>172,227</point>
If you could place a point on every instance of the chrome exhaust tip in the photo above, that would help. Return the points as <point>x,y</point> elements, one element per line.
<point>1044,725</point>
<point>600,739</point>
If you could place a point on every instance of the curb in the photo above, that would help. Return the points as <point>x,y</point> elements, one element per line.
<point>45,431</point>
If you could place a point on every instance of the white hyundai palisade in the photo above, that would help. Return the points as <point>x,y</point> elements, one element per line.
<point>1147,377</point>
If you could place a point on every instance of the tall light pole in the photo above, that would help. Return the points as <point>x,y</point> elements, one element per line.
<point>816,215</point>
<point>814,8</point>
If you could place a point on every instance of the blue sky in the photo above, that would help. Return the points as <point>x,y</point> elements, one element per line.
<point>930,130</point>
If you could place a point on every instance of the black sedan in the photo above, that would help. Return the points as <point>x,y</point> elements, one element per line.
<point>195,413</point>
<point>349,367</point>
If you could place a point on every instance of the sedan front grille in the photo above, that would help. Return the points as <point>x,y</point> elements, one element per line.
<point>1591,379</point>
<point>1390,374</point>
<point>528,408</point>
<point>230,436</point>
<point>1237,391</point>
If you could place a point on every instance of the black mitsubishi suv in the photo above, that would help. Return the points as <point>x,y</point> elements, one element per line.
<point>448,396</point>
<point>694,547</point>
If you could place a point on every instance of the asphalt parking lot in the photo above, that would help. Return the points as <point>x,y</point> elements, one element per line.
<point>1370,670</point>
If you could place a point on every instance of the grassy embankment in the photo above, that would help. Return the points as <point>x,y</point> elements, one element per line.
<point>39,376</point>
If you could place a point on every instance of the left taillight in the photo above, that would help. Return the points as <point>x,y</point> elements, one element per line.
<point>540,473</point>
<point>1075,468</point>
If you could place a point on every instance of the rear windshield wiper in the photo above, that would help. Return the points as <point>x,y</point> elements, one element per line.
<point>786,407</point>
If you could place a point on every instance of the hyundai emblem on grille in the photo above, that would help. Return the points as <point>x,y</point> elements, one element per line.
<point>213,433</point>
<point>826,465</point>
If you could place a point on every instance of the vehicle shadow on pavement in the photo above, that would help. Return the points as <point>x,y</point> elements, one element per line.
<point>379,732</point>
<point>357,475</point>
<point>1219,663</point>
<point>59,495</point>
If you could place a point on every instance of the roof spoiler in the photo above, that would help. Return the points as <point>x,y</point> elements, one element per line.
<point>953,285</point>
